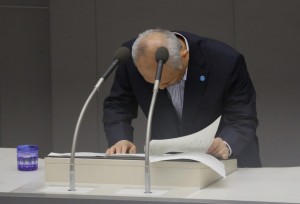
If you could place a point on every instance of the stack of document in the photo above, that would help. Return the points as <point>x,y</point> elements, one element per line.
<point>190,147</point>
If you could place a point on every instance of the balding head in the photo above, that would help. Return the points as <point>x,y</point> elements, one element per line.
<point>143,53</point>
<point>149,41</point>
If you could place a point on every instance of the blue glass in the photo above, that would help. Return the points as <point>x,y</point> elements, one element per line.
<point>27,157</point>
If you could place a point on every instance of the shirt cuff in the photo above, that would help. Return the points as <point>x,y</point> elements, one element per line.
<point>228,146</point>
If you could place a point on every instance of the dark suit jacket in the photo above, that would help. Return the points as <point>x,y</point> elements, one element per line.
<point>227,90</point>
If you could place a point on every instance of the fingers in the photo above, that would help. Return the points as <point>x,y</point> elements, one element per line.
<point>213,147</point>
<point>223,154</point>
<point>132,150</point>
<point>121,147</point>
<point>219,149</point>
<point>108,151</point>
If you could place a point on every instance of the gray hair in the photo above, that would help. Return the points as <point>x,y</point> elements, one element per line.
<point>172,44</point>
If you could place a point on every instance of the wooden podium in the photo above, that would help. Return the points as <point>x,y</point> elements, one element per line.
<point>131,172</point>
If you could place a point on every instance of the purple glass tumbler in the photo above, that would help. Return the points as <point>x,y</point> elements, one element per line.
<point>27,157</point>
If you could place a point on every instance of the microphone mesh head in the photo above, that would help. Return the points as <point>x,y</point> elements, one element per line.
<point>162,53</point>
<point>122,54</point>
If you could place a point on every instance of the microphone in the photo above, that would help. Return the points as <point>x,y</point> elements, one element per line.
<point>120,56</point>
<point>161,56</point>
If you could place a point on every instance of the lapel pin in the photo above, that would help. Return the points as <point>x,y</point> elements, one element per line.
<point>202,78</point>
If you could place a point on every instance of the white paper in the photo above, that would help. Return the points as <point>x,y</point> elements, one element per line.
<point>192,147</point>
<point>206,159</point>
<point>127,155</point>
<point>197,142</point>
<point>93,154</point>
<point>77,154</point>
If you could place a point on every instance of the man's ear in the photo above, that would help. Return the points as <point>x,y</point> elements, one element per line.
<point>185,57</point>
<point>185,53</point>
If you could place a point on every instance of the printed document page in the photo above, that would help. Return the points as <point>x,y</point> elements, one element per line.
<point>197,142</point>
<point>191,147</point>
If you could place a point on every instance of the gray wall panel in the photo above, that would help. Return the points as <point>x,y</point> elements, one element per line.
<point>25,78</point>
<point>85,34</point>
<point>267,32</point>
<point>27,3</point>
<point>73,58</point>
<point>119,20</point>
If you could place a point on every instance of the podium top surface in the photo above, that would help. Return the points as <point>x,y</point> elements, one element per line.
<point>260,185</point>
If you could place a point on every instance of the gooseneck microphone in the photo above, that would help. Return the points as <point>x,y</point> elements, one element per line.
<point>120,56</point>
<point>161,57</point>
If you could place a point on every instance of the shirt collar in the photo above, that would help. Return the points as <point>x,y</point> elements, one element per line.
<point>188,48</point>
<point>185,75</point>
<point>185,40</point>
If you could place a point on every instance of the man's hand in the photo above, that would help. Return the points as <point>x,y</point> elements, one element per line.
<point>219,149</point>
<point>122,147</point>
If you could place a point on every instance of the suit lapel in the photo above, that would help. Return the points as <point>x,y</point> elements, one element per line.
<point>166,116</point>
<point>195,86</point>
<point>165,123</point>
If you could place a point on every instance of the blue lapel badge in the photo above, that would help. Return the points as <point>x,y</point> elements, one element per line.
<point>202,78</point>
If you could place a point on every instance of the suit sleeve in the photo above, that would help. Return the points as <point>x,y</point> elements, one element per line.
<point>119,108</point>
<point>239,121</point>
